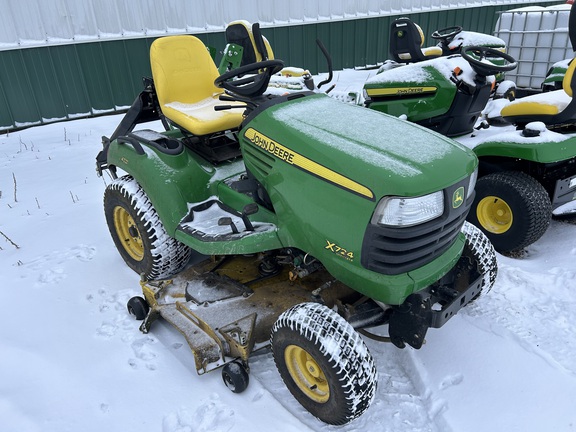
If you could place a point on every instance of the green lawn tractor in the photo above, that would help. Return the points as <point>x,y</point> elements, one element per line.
<point>555,76</point>
<point>407,42</point>
<point>527,168</point>
<point>245,45</point>
<point>310,222</point>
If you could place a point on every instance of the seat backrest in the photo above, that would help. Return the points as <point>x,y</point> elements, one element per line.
<point>569,80</point>
<point>406,40</point>
<point>182,69</point>
<point>241,33</point>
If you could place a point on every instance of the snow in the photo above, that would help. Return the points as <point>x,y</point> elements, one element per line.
<point>201,111</point>
<point>421,72</point>
<point>558,99</point>
<point>469,38</point>
<point>308,115</point>
<point>74,360</point>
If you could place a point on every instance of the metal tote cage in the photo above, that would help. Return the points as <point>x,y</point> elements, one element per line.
<point>537,37</point>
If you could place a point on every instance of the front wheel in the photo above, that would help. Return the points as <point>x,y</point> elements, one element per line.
<point>512,209</point>
<point>324,363</point>
<point>139,234</point>
<point>481,252</point>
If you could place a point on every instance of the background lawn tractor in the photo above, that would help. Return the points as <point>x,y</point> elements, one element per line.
<point>407,42</point>
<point>527,169</point>
<point>245,45</point>
<point>314,229</point>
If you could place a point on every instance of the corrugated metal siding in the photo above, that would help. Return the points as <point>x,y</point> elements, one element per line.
<point>41,22</point>
<point>61,81</point>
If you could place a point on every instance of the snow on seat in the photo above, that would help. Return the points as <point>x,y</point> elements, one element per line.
<point>184,75</point>
<point>553,108</point>
<point>549,103</point>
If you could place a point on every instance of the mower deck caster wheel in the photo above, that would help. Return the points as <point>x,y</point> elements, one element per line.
<point>138,307</point>
<point>235,376</point>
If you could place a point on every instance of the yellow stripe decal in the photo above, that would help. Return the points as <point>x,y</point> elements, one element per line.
<point>291,157</point>
<point>400,91</point>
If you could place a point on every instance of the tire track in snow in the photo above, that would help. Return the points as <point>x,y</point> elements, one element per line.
<point>401,397</point>
<point>532,307</point>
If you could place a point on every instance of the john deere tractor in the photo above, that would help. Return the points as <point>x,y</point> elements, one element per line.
<point>291,222</point>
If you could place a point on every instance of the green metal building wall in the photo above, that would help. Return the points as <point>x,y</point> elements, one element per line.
<point>46,84</point>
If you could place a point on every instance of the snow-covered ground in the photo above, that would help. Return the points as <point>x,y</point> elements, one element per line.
<point>72,359</point>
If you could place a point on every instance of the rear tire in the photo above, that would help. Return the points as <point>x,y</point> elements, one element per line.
<point>512,209</point>
<point>139,234</point>
<point>324,363</point>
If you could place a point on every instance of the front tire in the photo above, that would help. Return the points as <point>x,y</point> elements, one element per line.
<point>324,363</point>
<point>139,234</point>
<point>480,251</point>
<point>512,209</point>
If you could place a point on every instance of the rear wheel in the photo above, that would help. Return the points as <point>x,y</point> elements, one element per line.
<point>512,209</point>
<point>324,363</point>
<point>139,234</point>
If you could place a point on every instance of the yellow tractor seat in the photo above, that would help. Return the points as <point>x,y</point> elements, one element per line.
<point>552,108</point>
<point>407,40</point>
<point>241,32</point>
<point>184,75</point>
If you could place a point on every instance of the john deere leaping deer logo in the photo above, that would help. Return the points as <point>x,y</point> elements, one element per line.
<point>458,197</point>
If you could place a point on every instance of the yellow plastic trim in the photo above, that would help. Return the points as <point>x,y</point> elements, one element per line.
<point>397,91</point>
<point>291,157</point>
<point>433,51</point>
<point>127,232</point>
<point>494,214</point>
<point>528,108</point>
<point>307,374</point>
<point>567,81</point>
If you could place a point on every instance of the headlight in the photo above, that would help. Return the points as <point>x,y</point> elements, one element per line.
<point>405,212</point>
<point>472,183</point>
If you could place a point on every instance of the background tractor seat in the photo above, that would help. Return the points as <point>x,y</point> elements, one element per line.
<point>406,40</point>
<point>554,107</point>
<point>184,75</point>
<point>242,33</point>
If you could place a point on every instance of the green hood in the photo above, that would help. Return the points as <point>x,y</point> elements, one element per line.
<point>385,154</point>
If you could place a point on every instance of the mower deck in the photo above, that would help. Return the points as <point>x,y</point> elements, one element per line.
<point>225,308</point>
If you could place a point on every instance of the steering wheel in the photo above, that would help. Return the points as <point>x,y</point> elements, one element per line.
<point>488,61</point>
<point>253,85</point>
<point>446,35</point>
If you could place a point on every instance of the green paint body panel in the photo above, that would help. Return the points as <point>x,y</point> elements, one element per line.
<point>325,193</point>
<point>422,107</point>
<point>379,153</point>
<point>543,152</point>
<point>182,180</point>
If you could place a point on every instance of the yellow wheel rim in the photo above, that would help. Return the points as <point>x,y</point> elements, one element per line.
<point>494,214</point>
<point>307,374</point>
<point>128,233</point>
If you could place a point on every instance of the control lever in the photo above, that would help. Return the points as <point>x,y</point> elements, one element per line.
<point>227,221</point>
<point>248,210</point>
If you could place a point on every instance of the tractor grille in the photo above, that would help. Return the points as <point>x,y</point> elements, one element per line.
<point>392,250</point>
